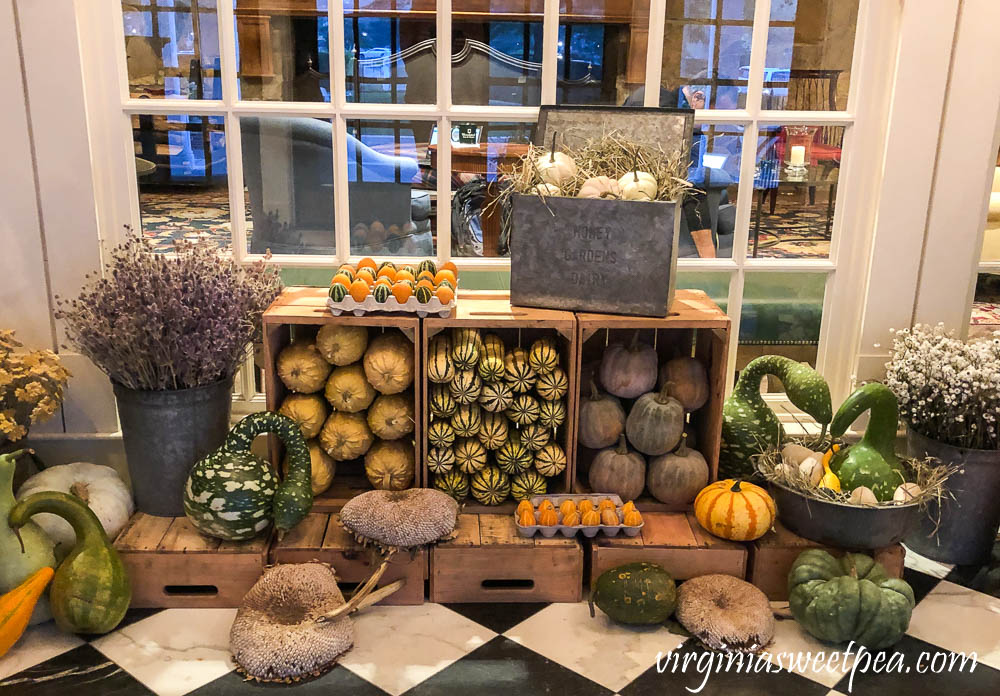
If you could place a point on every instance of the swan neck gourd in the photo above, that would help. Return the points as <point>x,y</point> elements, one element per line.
<point>883,420</point>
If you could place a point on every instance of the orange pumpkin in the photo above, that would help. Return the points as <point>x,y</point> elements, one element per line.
<point>609,517</point>
<point>405,274</point>
<point>734,510</point>
<point>572,519</point>
<point>525,505</point>
<point>526,518</point>
<point>444,274</point>
<point>548,517</point>
<point>426,275</point>
<point>424,283</point>
<point>383,281</point>
<point>366,274</point>
<point>402,292</point>
<point>567,507</point>
<point>342,280</point>
<point>367,262</point>
<point>628,507</point>
<point>546,505</point>
<point>359,290</point>
<point>449,266</point>
<point>444,294</point>
<point>591,518</point>
<point>632,518</point>
<point>386,272</point>
<point>348,267</point>
<point>605,504</point>
<point>585,506</point>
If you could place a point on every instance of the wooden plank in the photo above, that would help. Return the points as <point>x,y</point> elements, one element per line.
<point>618,540</point>
<point>536,573</point>
<point>499,530</point>
<point>182,536</point>
<point>337,537</point>
<point>466,532</point>
<point>692,309</point>
<point>143,533</point>
<point>307,534</point>
<point>667,529</point>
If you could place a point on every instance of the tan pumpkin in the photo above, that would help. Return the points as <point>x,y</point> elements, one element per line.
<point>689,379</point>
<point>322,470</point>
<point>348,389</point>
<point>677,477</point>
<point>656,422</point>
<point>389,465</point>
<point>601,420</point>
<point>389,362</point>
<point>629,371</point>
<point>345,436</point>
<point>600,187</point>
<point>556,168</point>
<point>638,186</point>
<point>308,410</point>
<point>735,510</point>
<point>391,415</point>
<point>618,470</point>
<point>342,344</point>
<point>301,367</point>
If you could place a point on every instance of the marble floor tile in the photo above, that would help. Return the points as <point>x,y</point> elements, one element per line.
<point>497,617</point>
<point>82,670</point>
<point>38,644</point>
<point>925,565</point>
<point>798,652</point>
<point>960,620</point>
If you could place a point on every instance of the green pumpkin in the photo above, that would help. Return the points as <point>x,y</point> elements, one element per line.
<point>465,348</point>
<point>386,264</point>
<point>338,292</point>
<point>426,265</point>
<point>454,483</point>
<point>524,410</point>
<point>440,369</point>
<point>423,294</point>
<point>467,421</point>
<point>513,457</point>
<point>381,293</point>
<point>749,426</point>
<point>493,432</point>
<point>551,414</point>
<point>552,385</point>
<point>466,386</point>
<point>491,367</point>
<point>232,494</point>
<point>543,357</point>
<point>530,483</point>
<point>470,455</point>
<point>848,599</point>
<point>490,486</point>
<point>442,403</point>
<point>872,461</point>
<point>517,371</point>
<point>346,272</point>
<point>637,594</point>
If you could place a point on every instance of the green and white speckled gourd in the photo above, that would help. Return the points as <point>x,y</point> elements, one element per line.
<point>872,461</point>
<point>232,494</point>
<point>749,426</point>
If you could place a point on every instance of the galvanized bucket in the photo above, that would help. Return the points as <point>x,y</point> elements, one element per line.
<point>969,509</point>
<point>165,433</point>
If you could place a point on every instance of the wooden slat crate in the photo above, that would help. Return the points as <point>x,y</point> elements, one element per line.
<point>302,310</point>
<point>673,540</point>
<point>492,312</point>
<point>695,327</point>
<point>320,537</point>
<point>772,556</point>
<point>488,561</point>
<point>171,565</point>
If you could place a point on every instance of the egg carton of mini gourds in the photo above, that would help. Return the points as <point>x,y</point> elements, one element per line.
<point>362,293</point>
<point>622,512</point>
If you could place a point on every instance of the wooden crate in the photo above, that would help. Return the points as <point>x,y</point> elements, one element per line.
<point>301,311</point>
<point>171,565</point>
<point>673,540</point>
<point>320,537</point>
<point>492,311</point>
<point>488,561</point>
<point>772,556</point>
<point>696,326</point>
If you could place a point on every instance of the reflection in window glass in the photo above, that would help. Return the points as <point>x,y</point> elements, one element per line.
<point>985,317</point>
<point>795,191</point>
<point>390,52</point>
<point>712,283</point>
<point>391,187</point>
<point>480,151</point>
<point>180,164</point>
<point>288,179</point>
<point>810,45</point>
<point>708,222</point>
<point>172,49</point>
<point>283,55</point>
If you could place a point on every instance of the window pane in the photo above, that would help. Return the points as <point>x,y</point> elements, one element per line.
<point>795,191</point>
<point>180,164</point>
<point>602,52</point>
<point>706,53</point>
<point>288,179</point>
<point>478,151</point>
<point>497,60</point>
<point>810,44</point>
<point>389,48</point>
<point>714,284</point>
<point>172,49</point>
<point>391,187</point>
<point>283,54</point>
<point>709,216</point>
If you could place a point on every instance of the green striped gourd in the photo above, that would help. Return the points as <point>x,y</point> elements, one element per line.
<point>465,348</point>
<point>442,403</point>
<point>550,460</point>
<point>440,433</point>
<point>232,494</point>
<point>552,385</point>
<point>524,410</point>
<point>423,294</point>
<point>466,387</point>
<point>543,357</point>
<point>470,455</point>
<point>338,292</point>
<point>528,484</point>
<point>551,414</point>
<point>381,293</point>
<point>467,421</point>
<point>517,372</point>
<point>493,432</point>
<point>386,264</point>
<point>491,367</point>
<point>346,272</point>
<point>535,436</point>
<point>513,457</point>
<point>426,265</point>
<point>440,459</point>
<point>496,397</point>
<point>454,483</point>
<point>439,366</point>
<point>490,486</point>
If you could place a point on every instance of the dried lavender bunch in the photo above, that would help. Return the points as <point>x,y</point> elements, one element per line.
<point>156,321</point>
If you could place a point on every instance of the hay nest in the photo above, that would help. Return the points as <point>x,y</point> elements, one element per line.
<point>407,519</point>
<point>725,613</point>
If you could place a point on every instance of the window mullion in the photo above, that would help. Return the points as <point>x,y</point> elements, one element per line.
<point>234,151</point>
<point>338,98</point>
<point>654,51</point>
<point>444,130</point>
<point>550,50</point>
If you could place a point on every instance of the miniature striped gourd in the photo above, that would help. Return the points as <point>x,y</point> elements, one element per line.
<point>465,345</point>
<point>454,483</point>
<point>439,366</point>
<point>427,265</point>
<point>493,433</point>
<point>381,293</point>
<point>346,272</point>
<point>552,385</point>
<point>513,457</point>
<point>441,434</point>
<point>551,414</point>
<point>535,436</point>
<point>423,294</point>
<point>496,397</point>
<point>386,264</point>
<point>490,486</point>
<point>440,459</point>
<point>517,371</point>
<point>524,410</point>
<point>491,366</point>
<point>543,357</point>
<point>550,460</point>
<point>442,404</point>
<point>530,483</point>
<point>467,421</point>
<point>338,292</point>
<point>470,455</point>
<point>466,386</point>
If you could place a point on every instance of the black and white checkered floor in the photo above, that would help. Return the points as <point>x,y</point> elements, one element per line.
<point>515,649</point>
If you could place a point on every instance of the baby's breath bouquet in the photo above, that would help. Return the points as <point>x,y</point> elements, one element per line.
<point>948,389</point>
<point>31,387</point>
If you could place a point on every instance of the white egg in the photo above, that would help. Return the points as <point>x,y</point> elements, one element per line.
<point>811,469</point>
<point>794,454</point>
<point>862,495</point>
<point>906,493</point>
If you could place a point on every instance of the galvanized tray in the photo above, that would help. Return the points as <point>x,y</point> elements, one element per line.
<point>549,531</point>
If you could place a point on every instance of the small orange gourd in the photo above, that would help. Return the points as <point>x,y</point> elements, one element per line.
<point>402,292</point>
<point>609,517</point>
<point>426,275</point>
<point>404,274</point>
<point>449,266</point>
<point>387,272</point>
<point>585,506</point>
<point>525,505</point>
<point>628,507</point>
<point>16,607</point>
<point>444,294</point>
<point>342,280</point>
<point>444,274</point>
<point>359,289</point>
<point>606,504</point>
<point>571,519</point>
<point>591,518</point>
<point>548,517</point>
<point>425,284</point>
<point>367,262</point>
<point>526,518</point>
<point>546,505</point>
<point>632,518</point>
<point>567,507</point>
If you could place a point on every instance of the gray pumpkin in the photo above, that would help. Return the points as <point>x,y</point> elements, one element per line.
<point>655,423</point>
<point>677,477</point>
<point>618,470</point>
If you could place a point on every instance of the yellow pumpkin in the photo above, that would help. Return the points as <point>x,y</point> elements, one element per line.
<point>572,519</point>
<point>546,505</point>
<point>342,344</point>
<point>735,510</point>
<point>605,504</point>
<point>389,362</point>
<point>323,468</point>
<point>301,367</point>
<point>391,416</point>
<point>591,518</point>
<point>16,606</point>
<point>548,517</point>
<point>567,507</point>
<point>526,518</point>
<point>389,465</point>
<point>609,517</point>
<point>348,390</point>
<point>308,410</point>
<point>525,506</point>
<point>628,507</point>
<point>632,518</point>
<point>345,436</point>
<point>585,506</point>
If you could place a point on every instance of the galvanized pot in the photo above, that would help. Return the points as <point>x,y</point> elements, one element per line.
<point>969,509</point>
<point>165,433</point>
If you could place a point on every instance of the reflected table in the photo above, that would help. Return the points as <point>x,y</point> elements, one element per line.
<point>821,174</point>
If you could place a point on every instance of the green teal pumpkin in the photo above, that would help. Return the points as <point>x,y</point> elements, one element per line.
<point>454,483</point>
<point>338,292</point>
<point>381,293</point>
<point>530,483</point>
<point>848,599</point>
<point>872,461</point>
<point>490,486</point>
<point>386,264</point>
<point>749,426</point>
<point>637,594</point>
<point>232,494</point>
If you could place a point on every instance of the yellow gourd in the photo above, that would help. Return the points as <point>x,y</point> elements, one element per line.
<point>591,518</point>
<point>389,362</point>
<point>628,507</point>
<point>829,479</point>
<point>567,507</point>
<point>605,504</point>
<point>526,518</point>
<point>572,519</point>
<point>16,607</point>
<point>548,517</point>
<point>301,367</point>
<point>546,505</point>
<point>389,465</point>
<point>632,518</point>
<point>342,344</point>
<point>525,506</point>
<point>348,390</point>
<point>346,435</point>
<point>585,506</point>
<point>610,517</point>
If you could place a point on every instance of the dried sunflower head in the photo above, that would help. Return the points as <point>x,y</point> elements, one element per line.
<point>400,519</point>
<point>725,613</point>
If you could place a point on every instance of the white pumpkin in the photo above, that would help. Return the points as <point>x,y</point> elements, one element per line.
<point>98,486</point>
<point>556,168</point>
<point>811,469</point>
<point>638,186</point>
<point>906,493</point>
<point>863,495</point>
<point>600,187</point>
<point>547,190</point>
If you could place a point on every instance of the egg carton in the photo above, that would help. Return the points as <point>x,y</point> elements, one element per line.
<point>549,531</point>
<point>411,306</point>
